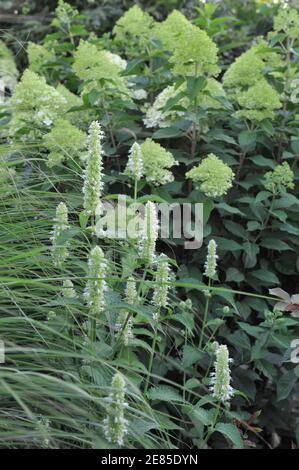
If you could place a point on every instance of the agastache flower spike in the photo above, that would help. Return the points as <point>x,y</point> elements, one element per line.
<point>150,233</point>
<point>59,250</point>
<point>93,185</point>
<point>95,288</point>
<point>131,296</point>
<point>162,277</point>
<point>211,261</point>
<point>134,166</point>
<point>221,378</point>
<point>115,424</point>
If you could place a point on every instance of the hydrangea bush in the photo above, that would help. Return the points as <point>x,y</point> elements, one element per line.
<point>138,342</point>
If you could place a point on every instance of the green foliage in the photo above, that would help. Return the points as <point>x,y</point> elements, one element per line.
<point>111,342</point>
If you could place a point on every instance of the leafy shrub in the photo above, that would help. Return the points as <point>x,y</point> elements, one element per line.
<point>88,318</point>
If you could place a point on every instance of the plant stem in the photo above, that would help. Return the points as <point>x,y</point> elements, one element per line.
<point>205,316</point>
<point>135,189</point>
<point>150,365</point>
<point>212,429</point>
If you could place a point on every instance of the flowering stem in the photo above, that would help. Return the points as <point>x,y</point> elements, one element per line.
<point>92,333</point>
<point>205,316</point>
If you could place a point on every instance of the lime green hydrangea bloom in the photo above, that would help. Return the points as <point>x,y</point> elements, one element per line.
<point>65,141</point>
<point>214,176</point>
<point>35,104</point>
<point>259,102</point>
<point>170,31</point>
<point>248,86</point>
<point>38,56</point>
<point>249,67</point>
<point>135,24</point>
<point>280,179</point>
<point>270,56</point>
<point>8,70</point>
<point>156,161</point>
<point>92,65</point>
<point>287,21</point>
<point>245,71</point>
<point>195,54</point>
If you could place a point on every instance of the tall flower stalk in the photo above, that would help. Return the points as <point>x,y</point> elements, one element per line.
<point>115,424</point>
<point>95,288</point>
<point>124,323</point>
<point>220,385</point>
<point>134,166</point>
<point>159,300</point>
<point>209,272</point>
<point>162,277</point>
<point>60,248</point>
<point>147,246</point>
<point>93,184</point>
<point>221,377</point>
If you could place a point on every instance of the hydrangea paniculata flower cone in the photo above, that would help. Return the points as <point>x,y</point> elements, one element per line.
<point>214,176</point>
<point>156,161</point>
<point>280,179</point>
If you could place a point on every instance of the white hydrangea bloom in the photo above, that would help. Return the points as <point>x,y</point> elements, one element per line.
<point>117,60</point>
<point>155,116</point>
<point>139,94</point>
